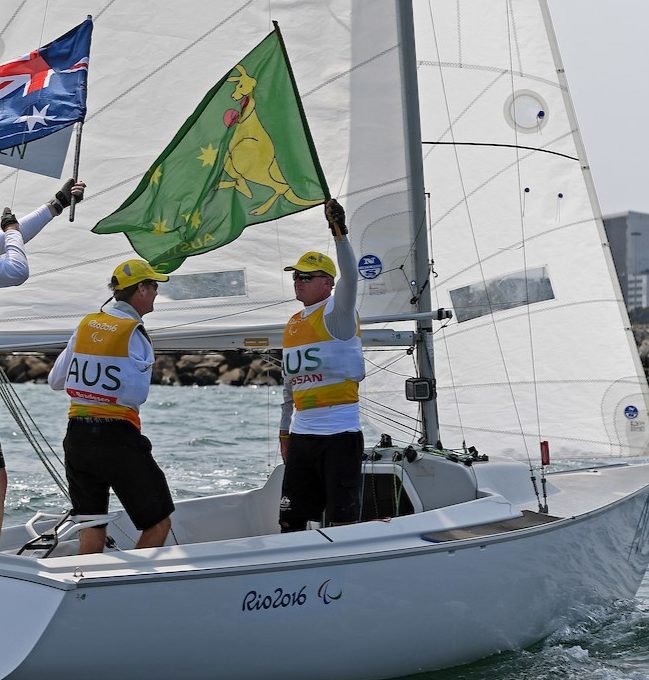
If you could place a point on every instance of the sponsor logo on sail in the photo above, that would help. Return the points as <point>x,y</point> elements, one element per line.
<point>370,266</point>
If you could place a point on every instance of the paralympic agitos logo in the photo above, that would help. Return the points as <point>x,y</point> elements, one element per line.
<point>326,590</point>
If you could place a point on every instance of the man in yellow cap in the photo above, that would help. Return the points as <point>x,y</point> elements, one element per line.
<point>106,370</point>
<point>322,361</point>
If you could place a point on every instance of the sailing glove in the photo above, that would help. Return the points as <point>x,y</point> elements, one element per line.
<point>335,215</point>
<point>8,219</point>
<point>62,198</point>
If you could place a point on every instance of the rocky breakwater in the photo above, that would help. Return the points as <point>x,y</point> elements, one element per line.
<point>227,368</point>
<point>231,367</point>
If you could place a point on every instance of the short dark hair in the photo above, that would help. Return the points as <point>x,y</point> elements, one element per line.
<point>125,294</point>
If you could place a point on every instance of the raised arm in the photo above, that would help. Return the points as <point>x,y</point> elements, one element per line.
<point>341,321</point>
<point>14,269</point>
<point>33,223</point>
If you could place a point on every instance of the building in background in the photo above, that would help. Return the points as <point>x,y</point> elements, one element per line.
<point>628,236</point>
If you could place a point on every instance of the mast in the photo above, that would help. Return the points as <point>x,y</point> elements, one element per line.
<point>410,95</point>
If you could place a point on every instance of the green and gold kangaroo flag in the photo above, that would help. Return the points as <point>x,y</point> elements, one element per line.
<point>243,157</point>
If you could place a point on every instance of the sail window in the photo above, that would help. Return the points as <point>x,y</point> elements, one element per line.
<point>526,111</point>
<point>504,292</point>
<point>205,285</point>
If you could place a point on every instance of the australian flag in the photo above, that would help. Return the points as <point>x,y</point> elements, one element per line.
<point>45,91</point>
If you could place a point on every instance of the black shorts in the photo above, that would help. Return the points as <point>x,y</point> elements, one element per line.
<point>114,454</point>
<point>2,459</point>
<point>323,473</point>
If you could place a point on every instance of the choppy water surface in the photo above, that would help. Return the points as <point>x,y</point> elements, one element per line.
<point>216,440</point>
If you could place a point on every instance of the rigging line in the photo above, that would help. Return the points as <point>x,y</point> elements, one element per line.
<point>13,16</point>
<point>380,368</point>
<point>388,408</point>
<point>381,417</point>
<point>465,203</point>
<point>385,367</point>
<point>20,414</point>
<point>74,265</point>
<point>223,316</point>
<point>378,409</point>
<point>105,9</point>
<point>511,29</point>
<point>413,242</point>
<point>17,404</point>
<point>517,47</point>
<point>14,411</point>
<point>349,71</point>
<point>390,422</point>
<point>171,59</point>
<point>5,27</point>
<point>449,361</point>
<point>505,146</point>
<point>268,437</point>
<point>39,100</point>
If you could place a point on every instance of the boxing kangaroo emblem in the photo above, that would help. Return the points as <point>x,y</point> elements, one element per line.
<point>251,153</point>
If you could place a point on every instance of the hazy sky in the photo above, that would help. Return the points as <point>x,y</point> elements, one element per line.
<point>605,49</point>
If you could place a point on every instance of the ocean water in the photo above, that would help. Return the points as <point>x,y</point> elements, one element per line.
<point>221,439</point>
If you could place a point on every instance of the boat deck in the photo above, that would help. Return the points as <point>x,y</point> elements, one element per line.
<point>529,519</point>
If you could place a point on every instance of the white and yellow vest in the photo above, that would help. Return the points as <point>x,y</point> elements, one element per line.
<point>321,370</point>
<point>102,380</point>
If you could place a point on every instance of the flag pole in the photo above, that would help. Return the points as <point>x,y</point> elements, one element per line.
<point>77,153</point>
<point>75,167</point>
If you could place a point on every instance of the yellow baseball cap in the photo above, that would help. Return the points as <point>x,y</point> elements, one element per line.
<point>133,271</point>
<point>314,262</point>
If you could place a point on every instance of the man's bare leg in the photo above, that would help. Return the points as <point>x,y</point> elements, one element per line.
<point>92,540</point>
<point>156,535</point>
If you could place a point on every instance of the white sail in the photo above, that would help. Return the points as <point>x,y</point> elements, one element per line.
<point>150,65</point>
<point>514,217</point>
<point>511,208</point>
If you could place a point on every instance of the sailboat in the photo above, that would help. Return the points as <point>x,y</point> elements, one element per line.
<point>467,544</point>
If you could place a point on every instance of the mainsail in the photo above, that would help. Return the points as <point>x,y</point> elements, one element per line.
<point>512,213</point>
<point>152,63</point>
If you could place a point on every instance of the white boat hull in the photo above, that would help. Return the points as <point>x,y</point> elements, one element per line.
<point>268,607</point>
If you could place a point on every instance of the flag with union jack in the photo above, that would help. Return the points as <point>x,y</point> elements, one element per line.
<point>45,90</point>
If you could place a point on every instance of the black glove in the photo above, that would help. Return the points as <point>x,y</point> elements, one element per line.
<point>63,198</point>
<point>335,215</point>
<point>8,219</point>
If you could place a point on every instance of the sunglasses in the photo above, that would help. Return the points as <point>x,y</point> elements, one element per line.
<point>304,276</point>
<point>150,282</point>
